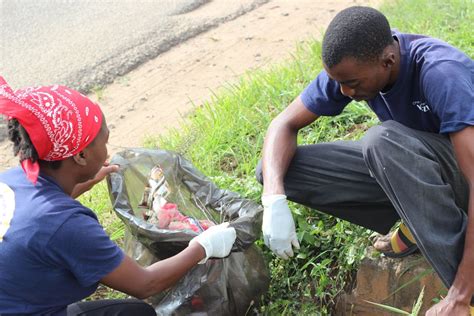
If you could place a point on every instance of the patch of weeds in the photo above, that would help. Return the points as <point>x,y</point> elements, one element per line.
<point>104,292</point>
<point>124,80</point>
<point>98,92</point>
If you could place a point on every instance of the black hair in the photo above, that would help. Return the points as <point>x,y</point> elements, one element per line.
<point>359,32</point>
<point>23,147</point>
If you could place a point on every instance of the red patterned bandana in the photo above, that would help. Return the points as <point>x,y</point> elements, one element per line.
<point>60,121</point>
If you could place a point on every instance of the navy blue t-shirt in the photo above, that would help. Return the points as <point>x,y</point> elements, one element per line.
<point>433,92</point>
<point>53,251</point>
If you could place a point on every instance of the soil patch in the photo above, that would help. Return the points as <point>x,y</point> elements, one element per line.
<point>159,94</point>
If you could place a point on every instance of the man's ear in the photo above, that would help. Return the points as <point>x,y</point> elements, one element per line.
<point>388,57</point>
<point>389,60</point>
<point>80,158</point>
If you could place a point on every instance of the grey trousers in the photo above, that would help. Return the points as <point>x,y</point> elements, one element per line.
<point>393,172</point>
<point>117,307</point>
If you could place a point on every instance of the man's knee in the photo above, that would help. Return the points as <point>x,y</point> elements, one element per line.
<point>378,139</point>
<point>258,172</point>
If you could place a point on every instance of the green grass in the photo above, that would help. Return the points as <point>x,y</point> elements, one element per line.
<point>224,136</point>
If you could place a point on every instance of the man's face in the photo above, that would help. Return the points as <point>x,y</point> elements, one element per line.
<point>360,80</point>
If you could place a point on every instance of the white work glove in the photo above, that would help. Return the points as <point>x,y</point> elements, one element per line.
<point>217,241</point>
<point>278,226</point>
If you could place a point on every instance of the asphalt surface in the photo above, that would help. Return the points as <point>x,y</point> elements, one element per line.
<point>85,44</point>
<point>88,43</point>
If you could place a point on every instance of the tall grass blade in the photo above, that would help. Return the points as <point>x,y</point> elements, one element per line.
<point>390,308</point>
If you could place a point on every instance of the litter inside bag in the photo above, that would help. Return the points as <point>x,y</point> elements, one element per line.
<point>155,207</point>
<point>164,202</point>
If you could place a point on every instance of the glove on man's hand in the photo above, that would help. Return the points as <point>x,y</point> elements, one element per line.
<point>217,241</point>
<point>278,226</point>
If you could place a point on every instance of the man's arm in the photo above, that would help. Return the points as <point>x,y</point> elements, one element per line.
<point>459,295</point>
<point>278,226</point>
<point>280,144</point>
<point>463,142</point>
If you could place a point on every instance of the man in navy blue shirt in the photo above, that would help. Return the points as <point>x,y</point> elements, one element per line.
<point>417,165</point>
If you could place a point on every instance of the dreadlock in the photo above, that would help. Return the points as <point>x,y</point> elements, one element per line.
<point>23,147</point>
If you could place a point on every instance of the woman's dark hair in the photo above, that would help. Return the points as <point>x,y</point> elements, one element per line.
<point>359,32</point>
<point>23,147</point>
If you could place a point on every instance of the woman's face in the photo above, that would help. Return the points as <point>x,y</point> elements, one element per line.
<point>98,150</point>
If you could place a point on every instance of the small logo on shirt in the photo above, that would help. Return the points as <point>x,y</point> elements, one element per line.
<point>422,106</point>
<point>7,208</point>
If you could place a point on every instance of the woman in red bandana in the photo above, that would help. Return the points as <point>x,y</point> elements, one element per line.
<point>53,251</point>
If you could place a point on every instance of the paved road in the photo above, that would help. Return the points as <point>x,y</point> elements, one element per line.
<point>88,43</point>
<point>85,43</point>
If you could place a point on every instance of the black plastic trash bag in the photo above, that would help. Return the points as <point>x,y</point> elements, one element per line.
<point>229,286</point>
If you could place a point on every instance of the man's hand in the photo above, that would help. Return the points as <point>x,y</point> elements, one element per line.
<point>278,226</point>
<point>449,307</point>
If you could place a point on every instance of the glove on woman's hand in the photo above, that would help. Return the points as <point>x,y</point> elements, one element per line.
<point>217,241</point>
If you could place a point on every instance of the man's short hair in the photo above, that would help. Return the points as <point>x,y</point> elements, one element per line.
<point>359,32</point>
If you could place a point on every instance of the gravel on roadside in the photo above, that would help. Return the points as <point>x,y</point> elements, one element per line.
<point>3,128</point>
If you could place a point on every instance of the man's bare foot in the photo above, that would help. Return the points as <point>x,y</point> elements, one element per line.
<point>396,244</point>
<point>382,243</point>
